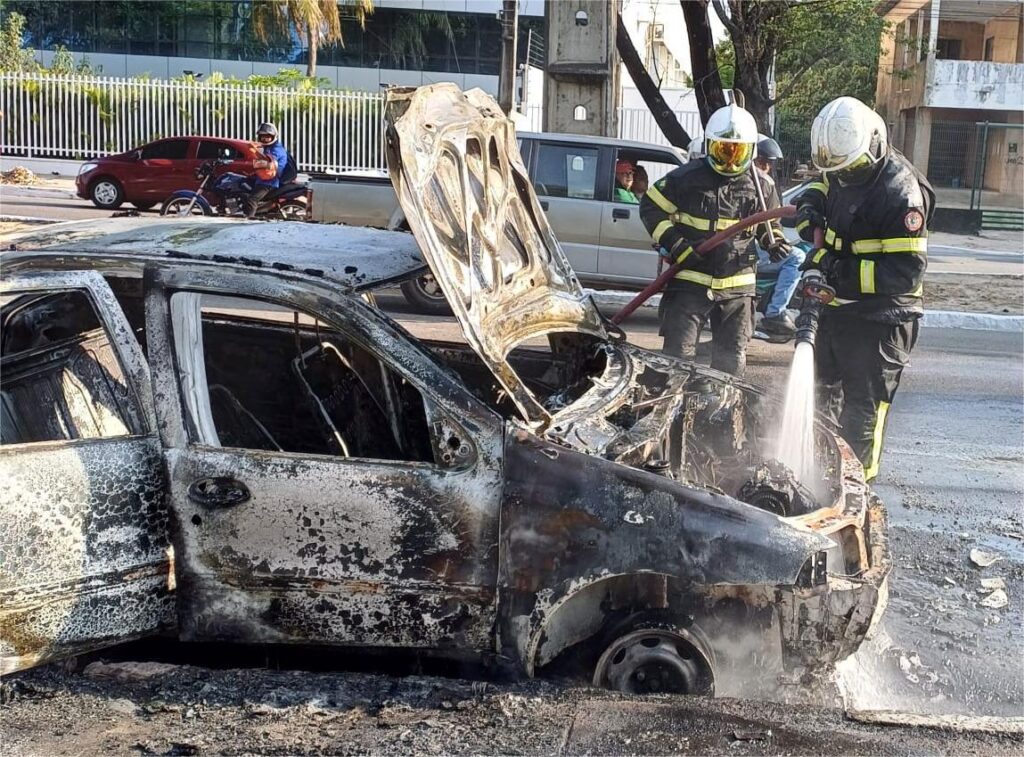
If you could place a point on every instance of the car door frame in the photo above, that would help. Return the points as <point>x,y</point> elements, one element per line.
<point>576,252</point>
<point>152,186</point>
<point>99,503</point>
<point>446,601</point>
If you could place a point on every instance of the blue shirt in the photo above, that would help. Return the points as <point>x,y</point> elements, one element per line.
<point>278,153</point>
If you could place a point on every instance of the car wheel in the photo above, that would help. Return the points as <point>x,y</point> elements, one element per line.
<point>106,193</point>
<point>178,206</point>
<point>293,210</point>
<point>658,659</point>
<point>425,295</point>
<point>144,205</point>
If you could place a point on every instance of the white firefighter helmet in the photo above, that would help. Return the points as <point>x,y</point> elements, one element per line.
<point>730,140</point>
<point>848,140</point>
<point>695,150</point>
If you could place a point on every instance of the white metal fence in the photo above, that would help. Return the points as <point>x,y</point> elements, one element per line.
<point>80,117</point>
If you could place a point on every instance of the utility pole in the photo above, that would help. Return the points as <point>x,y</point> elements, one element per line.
<point>507,72</point>
<point>581,76</point>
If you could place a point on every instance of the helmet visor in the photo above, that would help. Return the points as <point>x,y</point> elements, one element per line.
<point>858,172</point>
<point>730,158</point>
<point>265,138</point>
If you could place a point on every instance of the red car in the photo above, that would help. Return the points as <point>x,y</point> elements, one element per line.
<point>147,175</point>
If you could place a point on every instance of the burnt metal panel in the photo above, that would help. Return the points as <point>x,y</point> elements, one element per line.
<point>84,558</point>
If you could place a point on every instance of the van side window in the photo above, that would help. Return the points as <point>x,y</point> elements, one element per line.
<point>60,378</point>
<point>566,171</point>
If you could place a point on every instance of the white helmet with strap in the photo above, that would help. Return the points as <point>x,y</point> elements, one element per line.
<point>848,140</point>
<point>730,140</point>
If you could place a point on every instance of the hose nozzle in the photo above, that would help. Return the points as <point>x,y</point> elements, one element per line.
<point>816,294</point>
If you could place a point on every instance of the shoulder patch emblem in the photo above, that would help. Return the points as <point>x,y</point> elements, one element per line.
<point>913,220</point>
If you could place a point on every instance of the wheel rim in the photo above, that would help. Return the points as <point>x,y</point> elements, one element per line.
<point>429,287</point>
<point>293,211</point>
<point>653,662</point>
<point>105,192</point>
<point>179,207</point>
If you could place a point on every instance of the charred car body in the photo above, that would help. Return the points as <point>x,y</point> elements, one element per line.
<point>247,449</point>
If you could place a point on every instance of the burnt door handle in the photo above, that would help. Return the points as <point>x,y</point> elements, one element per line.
<point>619,213</point>
<point>543,204</point>
<point>219,491</point>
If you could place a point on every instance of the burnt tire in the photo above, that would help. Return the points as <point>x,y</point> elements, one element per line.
<point>106,193</point>
<point>425,296</point>
<point>651,656</point>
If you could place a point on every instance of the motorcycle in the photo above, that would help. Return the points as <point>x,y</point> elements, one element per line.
<point>227,194</point>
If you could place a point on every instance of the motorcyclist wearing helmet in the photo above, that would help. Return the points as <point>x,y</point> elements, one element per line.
<point>775,256</point>
<point>874,208</point>
<point>268,170</point>
<point>684,208</point>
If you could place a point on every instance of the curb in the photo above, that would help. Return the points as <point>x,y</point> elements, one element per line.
<point>933,319</point>
<point>16,190</point>
<point>26,219</point>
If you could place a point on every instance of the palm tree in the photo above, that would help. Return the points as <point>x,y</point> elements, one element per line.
<point>318,22</point>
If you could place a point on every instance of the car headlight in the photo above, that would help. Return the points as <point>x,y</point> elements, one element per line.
<point>86,167</point>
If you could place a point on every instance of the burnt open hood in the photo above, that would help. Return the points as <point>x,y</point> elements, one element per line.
<point>456,168</point>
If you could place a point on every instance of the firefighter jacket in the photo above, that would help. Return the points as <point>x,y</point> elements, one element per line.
<point>690,204</point>
<point>876,240</point>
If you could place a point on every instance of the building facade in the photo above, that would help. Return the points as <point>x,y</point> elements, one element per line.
<point>409,42</point>
<point>948,67</point>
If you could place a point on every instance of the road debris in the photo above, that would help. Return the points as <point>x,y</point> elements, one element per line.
<point>996,600</point>
<point>983,559</point>
<point>993,583</point>
<point>18,175</point>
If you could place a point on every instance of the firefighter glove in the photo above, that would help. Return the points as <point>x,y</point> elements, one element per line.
<point>778,250</point>
<point>808,218</point>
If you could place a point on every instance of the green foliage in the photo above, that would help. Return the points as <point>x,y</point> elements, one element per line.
<point>825,50</point>
<point>725,56</point>
<point>13,55</point>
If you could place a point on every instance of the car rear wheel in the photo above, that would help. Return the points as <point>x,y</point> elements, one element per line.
<point>106,193</point>
<point>178,206</point>
<point>293,210</point>
<point>425,295</point>
<point>659,659</point>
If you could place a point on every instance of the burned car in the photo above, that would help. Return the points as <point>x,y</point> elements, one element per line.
<point>210,430</point>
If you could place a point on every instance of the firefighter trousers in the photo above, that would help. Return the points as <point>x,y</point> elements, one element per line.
<point>684,311</point>
<point>859,364</point>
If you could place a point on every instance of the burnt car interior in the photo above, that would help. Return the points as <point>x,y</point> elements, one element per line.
<point>60,379</point>
<point>251,379</point>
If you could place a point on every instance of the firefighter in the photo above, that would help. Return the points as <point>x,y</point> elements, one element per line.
<point>874,208</point>
<point>683,209</point>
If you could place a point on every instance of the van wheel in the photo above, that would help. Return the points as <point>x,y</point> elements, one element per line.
<point>656,658</point>
<point>106,193</point>
<point>425,295</point>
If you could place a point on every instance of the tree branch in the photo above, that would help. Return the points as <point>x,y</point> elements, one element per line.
<point>734,31</point>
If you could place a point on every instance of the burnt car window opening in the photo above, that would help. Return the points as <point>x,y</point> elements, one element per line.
<point>254,375</point>
<point>566,171</point>
<point>60,379</point>
<point>169,149</point>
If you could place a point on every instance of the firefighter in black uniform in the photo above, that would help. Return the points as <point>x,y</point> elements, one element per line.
<point>874,208</point>
<point>684,208</point>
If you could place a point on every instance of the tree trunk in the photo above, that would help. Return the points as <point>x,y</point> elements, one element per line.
<point>311,38</point>
<point>707,84</point>
<point>663,115</point>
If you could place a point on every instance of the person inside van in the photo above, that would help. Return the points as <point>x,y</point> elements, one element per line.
<point>624,173</point>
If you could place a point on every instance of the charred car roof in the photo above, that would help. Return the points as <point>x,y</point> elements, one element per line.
<point>355,258</point>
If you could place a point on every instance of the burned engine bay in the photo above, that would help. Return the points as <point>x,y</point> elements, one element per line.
<point>638,408</point>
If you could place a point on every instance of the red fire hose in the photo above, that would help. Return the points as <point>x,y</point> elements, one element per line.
<point>786,211</point>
